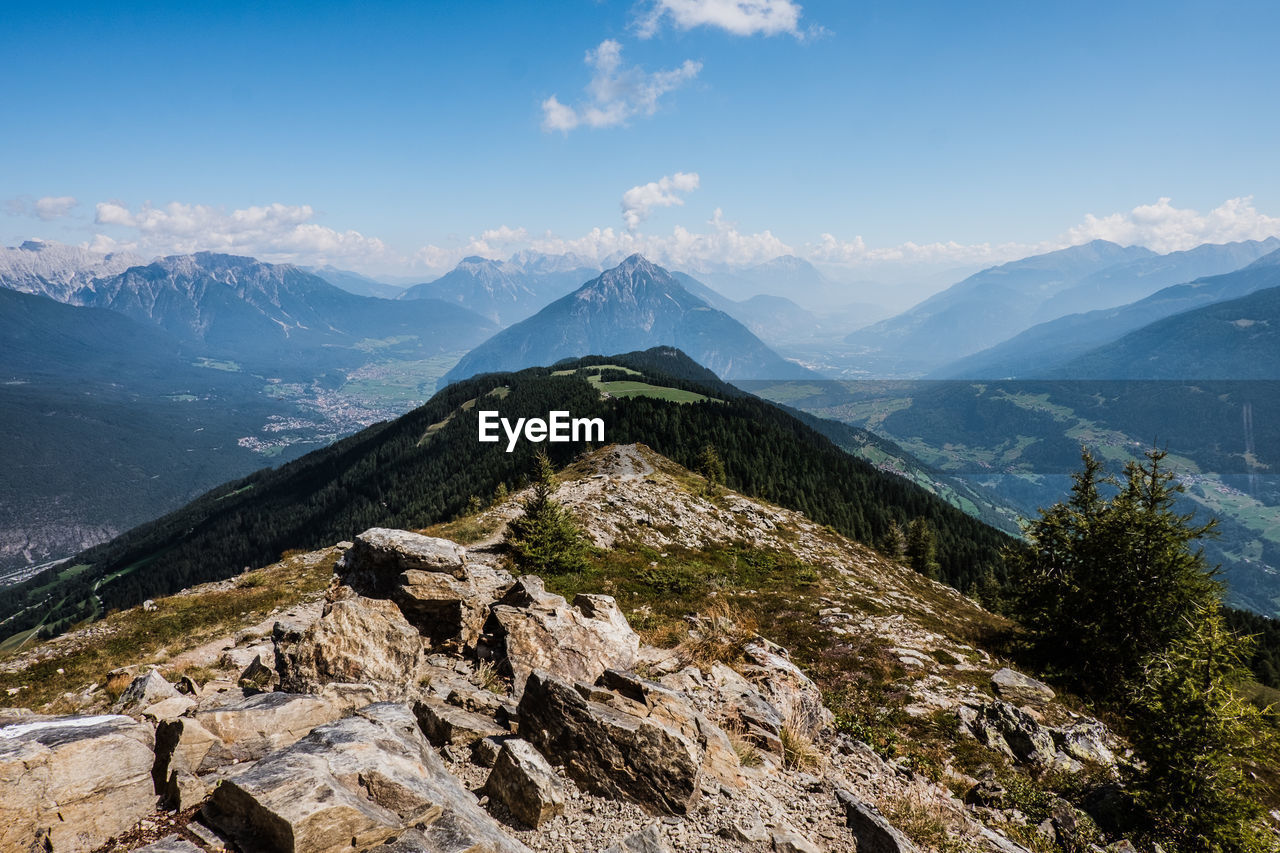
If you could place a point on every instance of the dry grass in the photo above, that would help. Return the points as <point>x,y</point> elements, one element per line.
<point>926,822</point>
<point>178,623</point>
<point>798,752</point>
<point>486,677</point>
<point>720,634</point>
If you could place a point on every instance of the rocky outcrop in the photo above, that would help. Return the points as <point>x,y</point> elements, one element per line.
<point>531,629</point>
<point>70,783</point>
<point>144,691</point>
<point>1020,737</point>
<point>522,781</point>
<point>356,639</point>
<point>373,564</point>
<point>610,751</point>
<point>357,782</point>
<point>443,724</point>
<point>871,831</point>
<point>1012,686</point>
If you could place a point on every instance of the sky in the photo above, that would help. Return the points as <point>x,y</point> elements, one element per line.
<point>396,138</point>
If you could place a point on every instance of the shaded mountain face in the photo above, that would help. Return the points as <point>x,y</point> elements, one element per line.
<point>57,270</point>
<point>108,423</point>
<point>987,307</point>
<point>635,305</point>
<point>506,292</point>
<point>249,310</point>
<point>1236,339</point>
<point>1042,350</point>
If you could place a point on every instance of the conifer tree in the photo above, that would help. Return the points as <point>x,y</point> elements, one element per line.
<point>545,539</point>
<point>922,548</point>
<point>711,467</point>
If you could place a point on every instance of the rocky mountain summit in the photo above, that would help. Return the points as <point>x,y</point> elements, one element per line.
<point>430,700</point>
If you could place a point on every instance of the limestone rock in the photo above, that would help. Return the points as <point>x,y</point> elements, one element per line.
<point>1085,741</point>
<point>647,840</point>
<point>143,691</point>
<point>448,610</point>
<point>1013,686</point>
<point>531,629</point>
<point>790,841</point>
<point>795,697</point>
<point>608,751</point>
<point>249,728</point>
<point>719,760</point>
<point>1012,732</point>
<point>75,781</point>
<point>356,639</point>
<point>871,831</point>
<point>168,709</point>
<point>522,781</point>
<point>445,724</point>
<point>374,562</point>
<point>357,783</point>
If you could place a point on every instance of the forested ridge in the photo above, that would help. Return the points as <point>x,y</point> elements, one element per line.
<point>425,467</point>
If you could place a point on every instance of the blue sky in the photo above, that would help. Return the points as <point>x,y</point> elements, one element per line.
<point>394,137</point>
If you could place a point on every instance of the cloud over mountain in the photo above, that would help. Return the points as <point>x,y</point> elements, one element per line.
<point>664,192</point>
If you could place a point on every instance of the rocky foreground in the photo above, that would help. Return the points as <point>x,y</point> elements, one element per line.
<point>436,703</point>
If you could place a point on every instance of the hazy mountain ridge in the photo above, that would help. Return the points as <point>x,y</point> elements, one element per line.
<point>988,306</point>
<point>506,292</point>
<point>1042,349</point>
<point>635,305</point>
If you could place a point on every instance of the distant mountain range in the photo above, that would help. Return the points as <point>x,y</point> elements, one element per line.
<point>353,282</point>
<point>998,303</point>
<point>633,306</point>
<point>1047,349</point>
<point>506,292</point>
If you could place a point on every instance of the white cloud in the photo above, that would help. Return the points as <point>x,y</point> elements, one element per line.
<point>664,192</point>
<point>1165,228</point>
<point>739,17</point>
<point>275,232</point>
<point>44,209</point>
<point>722,244</point>
<point>616,92</point>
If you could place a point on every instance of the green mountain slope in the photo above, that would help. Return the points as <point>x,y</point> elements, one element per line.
<point>1237,339</point>
<point>425,466</point>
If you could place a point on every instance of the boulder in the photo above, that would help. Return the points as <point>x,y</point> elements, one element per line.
<point>374,562</point>
<point>446,724</point>
<point>871,831</point>
<point>791,693</point>
<point>531,629</point>
<point>790,841</point>
<point>1013,686</point>
<point>249,728</point>
<point>1010,731</point>
<point>649,699</point>
<point>167,709</point>
<point>647,840</point>
<point>610,752</point>
<point>356,639</point>
<point>524,782</point>
<point>143,691</point>
<point>258,675</point>
<point>450,611</point>
<point>73,782</point>
<point>357,782</point>
<point>1085,741</point>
